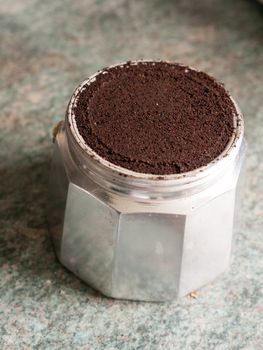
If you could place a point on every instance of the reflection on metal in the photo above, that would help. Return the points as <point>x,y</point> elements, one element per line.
<point>138,236</point>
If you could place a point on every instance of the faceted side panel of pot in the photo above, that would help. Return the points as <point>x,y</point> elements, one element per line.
<point>89,235</point>
<point>207,242</point>
<point>148,256</point>
<point>240,186</point>
<point>58,189</point>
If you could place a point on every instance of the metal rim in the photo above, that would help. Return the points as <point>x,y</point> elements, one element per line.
<point>231,147</point>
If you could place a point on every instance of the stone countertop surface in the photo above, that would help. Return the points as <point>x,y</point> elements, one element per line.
<point>47,48</point>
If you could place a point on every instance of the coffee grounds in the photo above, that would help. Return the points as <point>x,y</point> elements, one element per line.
<point>157,118</point>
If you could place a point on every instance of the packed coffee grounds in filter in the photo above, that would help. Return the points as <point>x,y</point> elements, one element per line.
<point>155,117</point>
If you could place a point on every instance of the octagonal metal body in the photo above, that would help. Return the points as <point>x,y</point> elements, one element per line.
<point>132,247</point>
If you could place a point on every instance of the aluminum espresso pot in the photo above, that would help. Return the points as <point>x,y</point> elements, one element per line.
<point>141,236</point>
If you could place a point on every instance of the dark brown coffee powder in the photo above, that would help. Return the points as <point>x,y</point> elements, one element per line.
<point>157,118</point>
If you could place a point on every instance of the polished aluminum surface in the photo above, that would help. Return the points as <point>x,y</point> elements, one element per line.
<point>141,236</point>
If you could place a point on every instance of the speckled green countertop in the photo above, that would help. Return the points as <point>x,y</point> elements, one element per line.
<point>47,48</point>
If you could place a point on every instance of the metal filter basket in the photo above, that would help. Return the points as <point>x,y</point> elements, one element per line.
<point>141,236</point>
